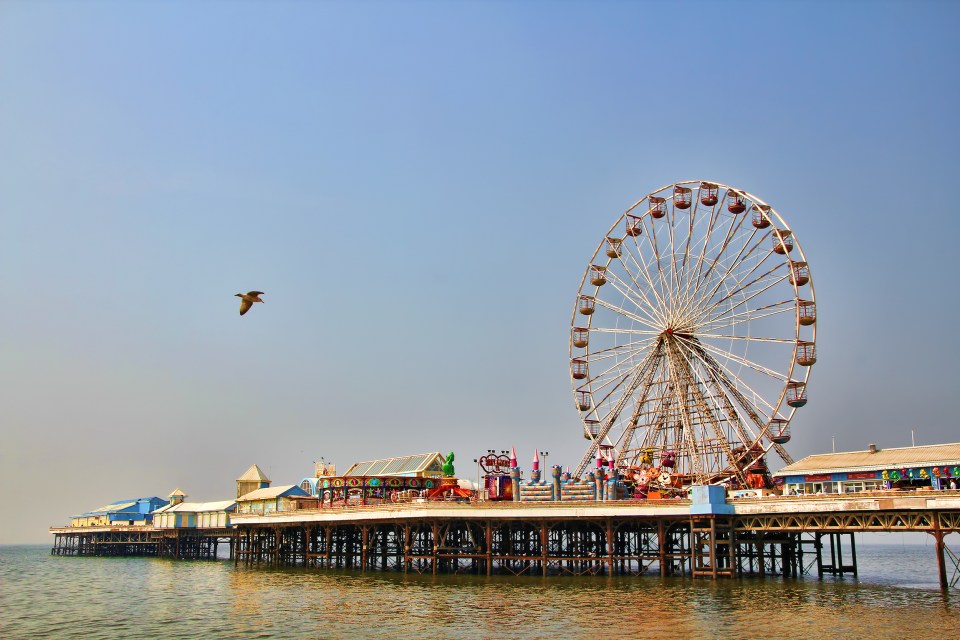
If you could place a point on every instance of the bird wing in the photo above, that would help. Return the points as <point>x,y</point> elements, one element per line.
<point>245,305</point>
<point>255,293</point>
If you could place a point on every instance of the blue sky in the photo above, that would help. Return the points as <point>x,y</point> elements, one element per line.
<point>418,187</point>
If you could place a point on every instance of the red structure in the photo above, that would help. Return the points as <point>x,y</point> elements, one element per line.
<point>496,479</point>
<point>449,489</point>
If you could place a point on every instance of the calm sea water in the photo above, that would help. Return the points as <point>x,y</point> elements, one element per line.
<point>41,596</point>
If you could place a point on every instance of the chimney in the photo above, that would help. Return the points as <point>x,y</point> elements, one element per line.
<point>872,448</point>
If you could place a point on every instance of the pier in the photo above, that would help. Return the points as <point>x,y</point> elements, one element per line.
<point>144,540</point>
<point>777,536</point>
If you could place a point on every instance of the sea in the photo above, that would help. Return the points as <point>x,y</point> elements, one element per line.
<point>896,595</point>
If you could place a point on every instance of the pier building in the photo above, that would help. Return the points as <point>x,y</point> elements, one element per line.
<point>289,497</point>
<point>252,479</point>
<point>928,467</point>
<point>132,512</point>
<point>195,515</point>
<point>376,481</point>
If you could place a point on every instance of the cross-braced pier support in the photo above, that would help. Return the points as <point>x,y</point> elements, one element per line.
<point>713,546</point>
<point>609,546</point>
<point>105,543</point>
<point>187,544</point>
<point>948,563</point>
<point>763,553</point>
<point>835,563</point>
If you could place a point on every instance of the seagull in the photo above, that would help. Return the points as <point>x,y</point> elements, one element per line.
<point>247,299</point>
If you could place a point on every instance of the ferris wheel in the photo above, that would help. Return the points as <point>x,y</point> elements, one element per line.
<point>693,336</point>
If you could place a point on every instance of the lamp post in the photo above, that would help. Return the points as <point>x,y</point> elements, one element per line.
<point>478,477</point>
<point>546,467</point>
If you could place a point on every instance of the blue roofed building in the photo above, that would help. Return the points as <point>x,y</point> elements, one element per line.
<point>132,512</point>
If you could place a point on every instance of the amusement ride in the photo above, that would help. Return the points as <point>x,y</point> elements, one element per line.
<point>692,339</point>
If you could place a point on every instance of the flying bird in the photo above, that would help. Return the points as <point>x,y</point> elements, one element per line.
<point>247,299</point>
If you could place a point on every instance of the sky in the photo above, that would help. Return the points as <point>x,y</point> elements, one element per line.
<point>418,187</point>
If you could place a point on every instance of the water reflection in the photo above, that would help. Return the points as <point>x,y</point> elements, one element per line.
<point>469,607</point>
<point>56,597</point>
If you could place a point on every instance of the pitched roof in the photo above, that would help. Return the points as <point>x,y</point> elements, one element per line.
<point>177,492</point>
<point>929,455</point>
<point>397,466</point>
<point>113,507</point>
<point>254,474</point>
<point>279,491</point>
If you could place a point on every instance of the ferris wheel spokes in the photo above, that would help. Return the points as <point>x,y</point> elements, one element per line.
<point>608,382</point>
<point>744,361</point>
<point>694,282</point>
<point>767,278</point>
<point>622,287</point>
<point>724,374</point>
<point>642,397</point>
<point>731,415</point>
<point>754,417</point>
<point>608,421</point>
<point>612,385</point>
<point>681,387</point>
<point>740,261</point>
<point>719,381</point>
<point>643,270</point>
<point>720,251</point>
<point>743,317</point>
<point>726,336</point>
<point>709,304</point>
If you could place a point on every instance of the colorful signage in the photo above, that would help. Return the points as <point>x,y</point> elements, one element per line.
<point>495,464</point>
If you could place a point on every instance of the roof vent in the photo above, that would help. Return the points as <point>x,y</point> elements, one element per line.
<point>872,448</point>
